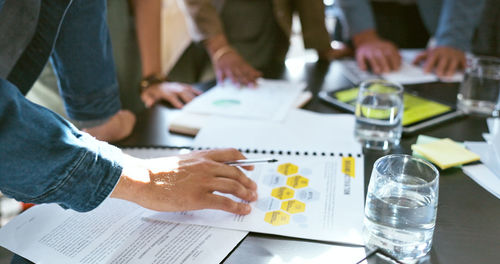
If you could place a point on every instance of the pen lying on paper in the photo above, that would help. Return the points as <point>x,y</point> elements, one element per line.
<point>249,162</point>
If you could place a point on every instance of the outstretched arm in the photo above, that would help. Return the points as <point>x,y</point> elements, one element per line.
<point>372,52</point>
<point>187,182</point>
<point>44,159</point>
<point>227,62</point>
<point>148,30</point>
<point>457,22</point>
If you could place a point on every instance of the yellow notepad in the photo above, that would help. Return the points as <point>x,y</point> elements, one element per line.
<point>445,153</point>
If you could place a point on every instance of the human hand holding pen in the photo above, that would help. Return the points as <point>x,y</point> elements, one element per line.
<point>248,162</point>
<point>187,182</point>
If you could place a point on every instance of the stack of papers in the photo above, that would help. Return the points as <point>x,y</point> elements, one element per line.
<point>487,174</point>
<point>325,133</point>
<point>314,191</point>
<point>407,73</point>
<point>115,232</point>
<point>270,100</point>
<point>445,153</point>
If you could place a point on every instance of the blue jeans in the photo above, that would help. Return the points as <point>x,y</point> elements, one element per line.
<point>82,57</point>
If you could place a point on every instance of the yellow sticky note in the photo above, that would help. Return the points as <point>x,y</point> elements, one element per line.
<point>445,153</point>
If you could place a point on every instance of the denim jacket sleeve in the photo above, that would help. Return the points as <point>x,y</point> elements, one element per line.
<point>457,21</point>
<point>358,15</point>
<point>44,159</point>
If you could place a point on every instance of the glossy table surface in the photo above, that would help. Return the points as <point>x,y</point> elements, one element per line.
<point>468,220</point>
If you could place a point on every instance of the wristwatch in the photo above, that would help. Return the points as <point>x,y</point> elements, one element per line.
<point>150,80</point>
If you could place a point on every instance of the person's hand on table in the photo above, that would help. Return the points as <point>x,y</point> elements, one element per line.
<point>375,53</point>
<point>228,63</point>
<point>231,65</point>
<point>443,60</point>
<point>118,127</point>
<point>187,182</point>
<point>176,94</point>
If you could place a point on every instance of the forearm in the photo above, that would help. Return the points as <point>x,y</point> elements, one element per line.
<point>46,160</point>
<point>186,182</point>
<point>457,22</point>
<point>204,19</point>
<point>148,30</point>
<point>215,44</point>
<point>358,15</point>
<point>364,37</point>
<point>133,176</point>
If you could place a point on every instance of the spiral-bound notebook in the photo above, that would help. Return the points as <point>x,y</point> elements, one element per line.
<point>312,193</point>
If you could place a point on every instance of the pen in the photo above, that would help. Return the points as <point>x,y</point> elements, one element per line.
<point>249,162</point>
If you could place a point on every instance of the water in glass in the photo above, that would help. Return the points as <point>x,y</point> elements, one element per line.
<point>401,206</point>
<point>378,120</point>
<point>479,91</point>
<point>401,222</point>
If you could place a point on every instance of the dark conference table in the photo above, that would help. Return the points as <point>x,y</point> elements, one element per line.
<point>468,218</point>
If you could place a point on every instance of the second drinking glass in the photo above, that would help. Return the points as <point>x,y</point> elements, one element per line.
<point>379,111</point>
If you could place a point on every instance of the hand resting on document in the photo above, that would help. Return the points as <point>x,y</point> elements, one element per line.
<point>229,64</point>
<point>187,182</point>
<point>442,60</point>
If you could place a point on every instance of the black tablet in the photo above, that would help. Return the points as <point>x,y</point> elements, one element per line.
<point>419,112</point>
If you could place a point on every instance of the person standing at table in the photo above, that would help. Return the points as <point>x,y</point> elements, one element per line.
<point>377,29</point>
<point>45,159</point>
<point>245,39</point>
<point>135,31</point>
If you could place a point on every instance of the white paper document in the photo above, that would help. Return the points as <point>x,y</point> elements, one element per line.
<point>270,100</point>
<point>487,174</point>
<point>299,196</point>
<point>488,154</point>
<point>407,74</point>
<point>314,191</point>
<point>493,125</point>
<point>301,131</point>
<point>484,177</point>
<point>146,153</point>
<point>115,232</point>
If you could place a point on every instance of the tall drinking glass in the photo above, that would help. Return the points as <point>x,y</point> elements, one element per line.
<point>379,110</point>
<point>401,206</point>
<point>480,90</point>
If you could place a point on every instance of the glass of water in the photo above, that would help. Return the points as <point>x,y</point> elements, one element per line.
<point>479,91</point>
<point>379,110</point>
<point>401,206</point>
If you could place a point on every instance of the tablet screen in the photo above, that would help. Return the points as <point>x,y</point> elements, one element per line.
<point>416,109</point>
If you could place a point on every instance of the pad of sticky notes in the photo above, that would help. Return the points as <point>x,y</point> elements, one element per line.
<point>445,153</point>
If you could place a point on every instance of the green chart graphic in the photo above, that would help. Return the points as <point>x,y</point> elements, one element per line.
<point>226,102</point>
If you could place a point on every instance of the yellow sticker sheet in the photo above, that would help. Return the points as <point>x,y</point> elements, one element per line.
<point>416,108</point>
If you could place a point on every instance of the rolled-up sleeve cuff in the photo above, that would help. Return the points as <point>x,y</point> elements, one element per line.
<point>92,178</point>
<point>98,105</point>
<point>463,45</point>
